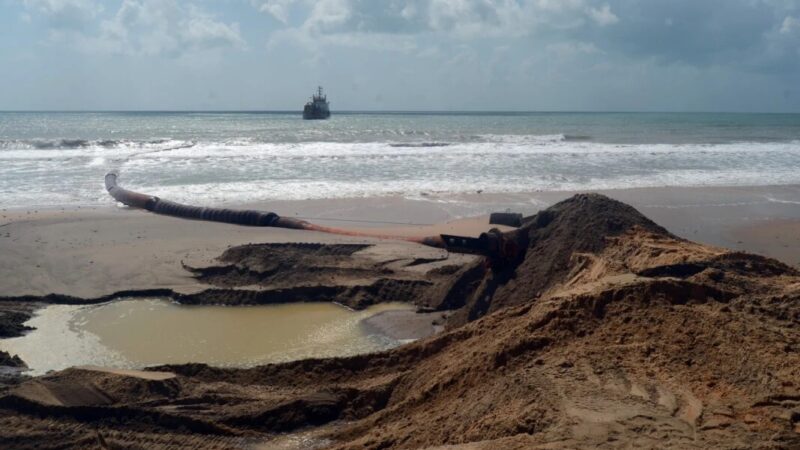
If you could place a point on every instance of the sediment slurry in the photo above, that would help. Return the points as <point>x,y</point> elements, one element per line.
<point>610,332</point>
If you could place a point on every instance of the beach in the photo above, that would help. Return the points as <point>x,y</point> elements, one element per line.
<point>649,296</point>
<point>399,225</point>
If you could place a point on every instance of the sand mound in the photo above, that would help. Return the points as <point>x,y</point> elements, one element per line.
<point>610,332</point>
<point>567,243</point>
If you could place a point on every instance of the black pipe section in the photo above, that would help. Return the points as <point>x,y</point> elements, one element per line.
<point>239,217</point>
<point>168,208</point>
<point>506,218</point>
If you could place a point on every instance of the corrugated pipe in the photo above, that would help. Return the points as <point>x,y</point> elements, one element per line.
<point>239,217</point>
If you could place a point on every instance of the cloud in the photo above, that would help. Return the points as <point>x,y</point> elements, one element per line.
<point>199,30</point>
<point>346,23</point>
<point>65,14</point>
<point>137,27</point>
<point>278,9</point>
<point>165,27</point>
<point>693,32</point>
<point>735,33</point>
<point>782,50</point>
<point>603,15</point>
<point>790,25</point>
<point>353,22</point>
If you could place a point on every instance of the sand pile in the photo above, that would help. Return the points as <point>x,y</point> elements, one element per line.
<point>610,332</point>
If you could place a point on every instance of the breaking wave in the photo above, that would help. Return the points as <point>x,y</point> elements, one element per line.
<point>68,144</point>
<point>420,144</point>
<point>245,169</point>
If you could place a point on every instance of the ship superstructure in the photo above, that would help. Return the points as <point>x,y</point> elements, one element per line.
<point>318,107</point>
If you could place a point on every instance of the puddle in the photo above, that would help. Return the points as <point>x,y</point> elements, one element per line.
<point>132,334</point>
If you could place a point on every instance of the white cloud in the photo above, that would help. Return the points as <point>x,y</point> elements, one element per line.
<point>65,13</point>
<point>143,27</point>
<point>162,27</point>
<point>278,9</point>
<point>469,18</point>
<point>462,19</point>
<point>789,25</point>
<point>328,14</point>
<point>200,30</point>
<point>603,15</point>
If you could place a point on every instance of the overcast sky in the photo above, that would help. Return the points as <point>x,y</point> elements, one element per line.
<point>642,55</point>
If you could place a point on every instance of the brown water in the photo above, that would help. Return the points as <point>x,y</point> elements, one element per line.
<point>140,333</point>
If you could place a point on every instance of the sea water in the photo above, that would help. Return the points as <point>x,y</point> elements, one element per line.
<point>59,159</point>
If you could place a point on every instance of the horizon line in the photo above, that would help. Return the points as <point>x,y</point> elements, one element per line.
<point>388,111</point>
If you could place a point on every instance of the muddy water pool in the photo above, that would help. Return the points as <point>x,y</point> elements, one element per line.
<point>144,332</point>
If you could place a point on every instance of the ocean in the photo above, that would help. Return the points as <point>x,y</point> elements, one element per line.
<point>50,159</point>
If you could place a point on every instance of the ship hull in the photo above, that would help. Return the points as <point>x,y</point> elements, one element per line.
<point>316,115</point>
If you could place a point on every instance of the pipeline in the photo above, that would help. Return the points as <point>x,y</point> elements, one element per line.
<point>501,248</point>
<point>239,217</point>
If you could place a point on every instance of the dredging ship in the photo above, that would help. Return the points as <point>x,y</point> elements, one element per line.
<point>318,107</point>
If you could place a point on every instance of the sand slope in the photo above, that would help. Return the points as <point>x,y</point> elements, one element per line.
<point>610,332</point>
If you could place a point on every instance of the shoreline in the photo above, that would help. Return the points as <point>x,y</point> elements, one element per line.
<point>713,215</point>
<point>479,196</point>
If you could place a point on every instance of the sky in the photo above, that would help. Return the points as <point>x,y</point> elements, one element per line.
<point>498,55</point>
